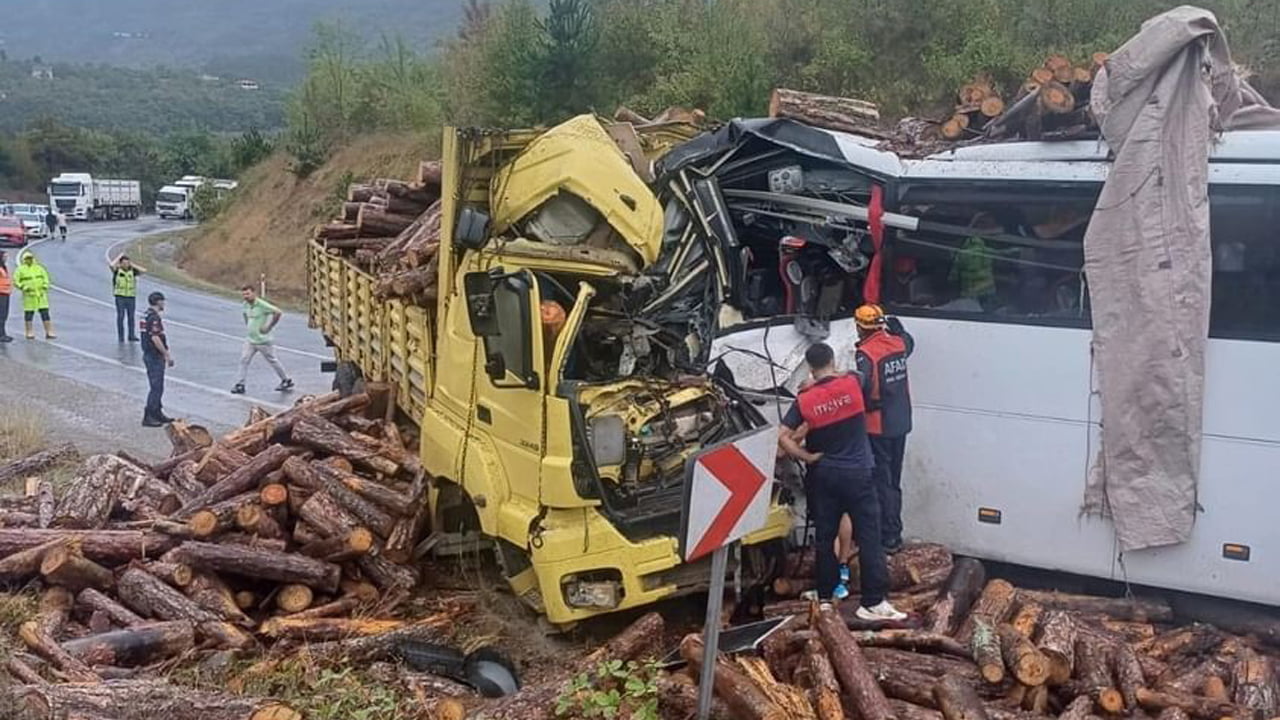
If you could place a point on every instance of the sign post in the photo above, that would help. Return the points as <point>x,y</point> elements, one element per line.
<point>727,491</point>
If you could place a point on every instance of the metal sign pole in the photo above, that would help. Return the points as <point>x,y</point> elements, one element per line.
<point>711,631</point>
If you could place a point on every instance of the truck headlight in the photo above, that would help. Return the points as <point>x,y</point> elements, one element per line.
<point>595,590</point>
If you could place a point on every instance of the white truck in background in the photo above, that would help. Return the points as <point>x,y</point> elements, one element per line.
<point>80,196</point>
<point>175,201</point>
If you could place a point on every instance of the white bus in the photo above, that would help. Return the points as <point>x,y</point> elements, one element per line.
<point>1006,402</point>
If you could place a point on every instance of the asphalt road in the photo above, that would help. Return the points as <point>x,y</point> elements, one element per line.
<point>206,334</point>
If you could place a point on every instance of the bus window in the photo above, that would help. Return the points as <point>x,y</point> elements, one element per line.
<point>1246,261</point>
<point>1012,252</point>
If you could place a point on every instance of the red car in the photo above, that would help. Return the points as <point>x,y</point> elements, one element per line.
<point>12,233</point>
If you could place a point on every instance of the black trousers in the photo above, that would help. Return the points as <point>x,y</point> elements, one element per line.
<point>30,315</point>
<point>4,314</point>
<point>125,307</point>
<point>889,452</point>
<point>837,491</point>
<point>155,377</point>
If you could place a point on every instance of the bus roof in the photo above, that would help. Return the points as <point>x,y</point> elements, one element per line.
<point>1232,146</point>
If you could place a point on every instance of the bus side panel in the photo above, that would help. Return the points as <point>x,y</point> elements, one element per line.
<point>1239,479</point>
<point>996,463</point>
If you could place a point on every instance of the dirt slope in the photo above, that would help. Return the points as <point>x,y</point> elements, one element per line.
<point>274,213</point>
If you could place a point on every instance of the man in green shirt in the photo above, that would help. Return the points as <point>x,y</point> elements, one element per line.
<point>124,285</point>
<point>260,317</point>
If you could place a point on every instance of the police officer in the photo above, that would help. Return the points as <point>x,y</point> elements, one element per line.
<point>881,359</point>
<point>155,355</point>
<point>124,285</point>
<point>839,461</point>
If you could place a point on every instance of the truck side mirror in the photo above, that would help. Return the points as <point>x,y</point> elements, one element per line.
<point>471,231</point>
<point>480,310</point>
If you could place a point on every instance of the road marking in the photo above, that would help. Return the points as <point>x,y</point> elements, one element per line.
<point>170,379</point>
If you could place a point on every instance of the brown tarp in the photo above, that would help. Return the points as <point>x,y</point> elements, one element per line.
<point>1160,100</point>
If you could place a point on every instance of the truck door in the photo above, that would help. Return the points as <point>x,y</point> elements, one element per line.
<point>503,310</point>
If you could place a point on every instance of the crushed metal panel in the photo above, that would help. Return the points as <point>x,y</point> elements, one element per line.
<point>580,158</point>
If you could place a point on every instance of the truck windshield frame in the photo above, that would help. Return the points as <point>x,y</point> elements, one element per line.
<point>66,189</point>
<point>171,197</point>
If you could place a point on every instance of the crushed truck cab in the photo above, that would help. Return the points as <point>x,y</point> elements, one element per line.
<point>558,381</point>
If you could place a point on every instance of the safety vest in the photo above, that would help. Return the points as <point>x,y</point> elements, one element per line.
<point>889,399</point>
<point>826,403</point>
<point>126,283</point>
<point>6,283</point>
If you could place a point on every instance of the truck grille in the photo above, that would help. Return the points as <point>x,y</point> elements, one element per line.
<point>65,205</point>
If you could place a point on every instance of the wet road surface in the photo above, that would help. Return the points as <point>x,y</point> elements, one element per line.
<point>205,332</point>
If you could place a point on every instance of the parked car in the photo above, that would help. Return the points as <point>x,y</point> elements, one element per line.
<point>12,232</point>
<point>34,223</point>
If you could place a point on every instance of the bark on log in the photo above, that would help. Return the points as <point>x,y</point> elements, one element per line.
<point>1078,709</point>
<point>987,651</point>
<point>101,603</point>
<point>377,222</point>
<point>1173,713</point>
<point>1093,670</point>
<point>680,700</point>
<point>253,541</point>
<point>147,595</point>
<point>908,685</point>
<point>825,111</point>
<point>851,667</point>
<point>433,628</point>
<point>64,566</point>
<point>743,698</point>
<point>935,665</point>
<point>993,605</point>
<point>53,610</point>
<point>1027,620</point>
<point>36,462</point>
<point>1255,681</point>
<point>418,281</point>
<point>1134,609</point>
<point>335,608</point>
<point>45,504</point>
<point>209,592</point>
<point>23,672</point>
<point>254,520</point>
<point>326,629</point>
<point>405,535</point>
<point>261,564</point>
<point>369,515</point>
<point>25,563</point>
<point>1132,632</point>
<point>93,493</point>
<point>1128,674</point>
<point>141,645</point>
<point>219,517</point>
<point>184,481</point>
<point>110,547</point>
<point>1024,661</point>
<point>340,548</point>
<point>176,574</point>
<point>1197,707</point>
<point>393,501</point>
<point>386,574</point>
<point>822,677</point>
<point>242,479</point>
<point>326,516</point>
<point>360,192</point>
<point>258,435</point>
<point>912,640</point>
<point>15,518</point>
<point>42,644</point>
<point>1057,644</point>
<point>141,700</point>
<point>914,566</point>
<point>957,699</point>
<point>338,231</point>
<point>903,710</point>
<point>959,592</point>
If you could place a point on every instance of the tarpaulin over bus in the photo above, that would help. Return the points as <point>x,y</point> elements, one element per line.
<point>1159,101</point>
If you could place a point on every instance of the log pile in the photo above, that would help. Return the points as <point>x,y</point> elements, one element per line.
<point>272,536</point>
<point>391,228</point>
<point>1052,104</point>
<point>987,650</point>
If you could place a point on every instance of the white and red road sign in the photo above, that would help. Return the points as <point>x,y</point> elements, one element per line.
<point>727,492</point>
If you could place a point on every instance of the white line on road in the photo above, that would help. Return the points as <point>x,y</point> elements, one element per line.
<point>169,379</point>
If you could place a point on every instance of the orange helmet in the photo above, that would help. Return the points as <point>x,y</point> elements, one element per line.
<point>869,317</point>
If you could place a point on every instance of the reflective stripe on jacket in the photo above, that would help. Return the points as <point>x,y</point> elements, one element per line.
<point>888,394</point>
<point>125,282</point>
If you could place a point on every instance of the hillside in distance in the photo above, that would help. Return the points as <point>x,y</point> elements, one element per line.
<point>259,39</point>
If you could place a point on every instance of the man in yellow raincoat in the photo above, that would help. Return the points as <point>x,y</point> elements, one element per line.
<point>33,280</point>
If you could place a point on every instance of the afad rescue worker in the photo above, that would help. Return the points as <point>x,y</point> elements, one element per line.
<point>33,280</point>
<point>881,359</point>
<point>839,466</point>
<point>156,357</point>
<point>6,289</point>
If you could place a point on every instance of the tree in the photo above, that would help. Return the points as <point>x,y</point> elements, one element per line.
<point>566,54</point>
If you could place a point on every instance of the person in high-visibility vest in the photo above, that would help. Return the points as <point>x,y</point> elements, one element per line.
<point>6,289</point>
<point>124,285</point>
<point>34,282</point>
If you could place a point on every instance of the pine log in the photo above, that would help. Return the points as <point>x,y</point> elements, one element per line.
<point>987,651</point>
<point>254,520</point>
<point>321,434</point>
<point>25,563</point>
<point>337,231</point>
<point>912,640</point>
<point>393,501</point>
<point>1057,644</point>
<point>219,517</point>
<point>1128,674</point>
<point>175,573</point>
<point>147,595</point>
<point>851,667</point>
<point>993,605</point>
<point>326,629</point>
<point>991,106</point>
<point>1094,676</point>
<point>1036,699</point>
<point>260,564</point>
<point>1133,609</point>
<point>403,189</point>
<point>411,207</point>
<point>914,566</point>
<point>64,566</point>
<point>409,283</point>
<point>109,547</point>
<point>386,574</point>
<point>141,645</point>
<point>433,628</point>
<point>93,493</point>
<point>935,665</point>
<point>184,481</point>
<point>36,462</point>
<point>1194,639</point>
<point>42,644</point>
<point>957,699</point>
<point>825,111</point>
<point>240,480</point>
<point>335,608</point>
<point>1173,713</point>
<point>53,610</point>
<point>743,698</point>
<point>17,518</point>
<point>101,603</point>
<point>680,700</point>
<point>431,174</point>
<point>273,495</point>
<point>294,598</point>
<point>1197,707</point>
<point>1041,75</point>
<point>378,222</point>
<point>369,515</point>
<point>141,699</point>
<point>1080,708</point>
<point>405,535</point>
<point>22,671</point>
<point>257,436</point>
<point>326,516</point>
<point>1027,620</point>
<point>822,677</point>
<point>904,683</point>
<point>1255,682</point>
<point>952,129</point>
<point>45,504</point>
<point>1024,661</point>
<point>959,592</point>
<point>143,494</point>
<point>209,592</point>
<point>340,548</point>
<point>360,192</point>
<point>246,599</point>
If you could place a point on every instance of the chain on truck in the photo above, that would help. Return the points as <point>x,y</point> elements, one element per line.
<point>559,379</point>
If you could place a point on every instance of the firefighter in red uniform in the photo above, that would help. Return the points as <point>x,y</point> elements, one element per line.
<point>839,468</point>
<point>881,359</point>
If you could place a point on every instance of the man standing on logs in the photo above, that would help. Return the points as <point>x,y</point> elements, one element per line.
<point>883,348</point>
<point>156,357</point>
<point>839,464</point>
<point>260,317</point>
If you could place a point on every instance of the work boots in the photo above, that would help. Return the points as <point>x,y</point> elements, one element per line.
<point>31,330</point>
<point>49,334</point>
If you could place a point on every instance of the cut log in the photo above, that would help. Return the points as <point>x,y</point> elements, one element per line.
<point>340,548</point>
<point>336,608</point>
<point>174,573</point>
<point>680,700</point>
<point>23,672</point>
<point>960,590</point>
<point>1128,674</point>
<point>93,493</point>
<point>36,463</point>
<point>1080,708</point>
<point>418,281</point>
<point>1197,707</point>
<point>53,610</point>
<point>294,598</point>
<point>908,685</point>
<point>26,563</point>
<point>1055,98</point>
<point>935,665</point>
<point>64,566</point>
<point>1023,660</point>
<point>825,111</point>
<point>273,495</point>
<point>100,603</point>
<point>209,592</point>
<point>360,192</point>
<point>258,435</point>
<point>326,629</point>
<point>141,645</point>
<point>138,699</point>
<point>1057,644</point>
<point>1036,699</point>
<point>314,431</point>
<point>109,547</point>
<point>993,605</point>
<point>374,221</point>
<point>1093,674</point>
<point>987,651</point>
<point>991,106</point>
<point>910,711</point>
<point>246,599</point>
<point>405,535</point>
<point>1255,681</point>
<point>743,698</point>
<point>1135,609</point>
<point>261,564</point>
<point>184,481</point>
<point>326,516</point>
<point>1133,632</point>
<point>15,518</point>
<point>254,520</point>
<point>147,595</point>
<point>1041,75</point>
<point>335,231</point>
<point>851,667</point>
<point>242,479</point>
<point>253,541</point>
<point>46,647</point>
<point>1027,619</point>
<point>219,517</point>
<point>393,501</point>
<point>369,515</point>
<point>957,699</point>
<point>45,504</point>
<point>433,628</point>
<point>386,574</point>
<point>915,566</point>
<point>952,129</point>
<point>822,677</point>
<point>912,640</point>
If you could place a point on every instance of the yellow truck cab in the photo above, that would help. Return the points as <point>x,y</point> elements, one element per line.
<point>557,394</point>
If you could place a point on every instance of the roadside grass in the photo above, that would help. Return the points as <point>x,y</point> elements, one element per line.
<point>22,432</point>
